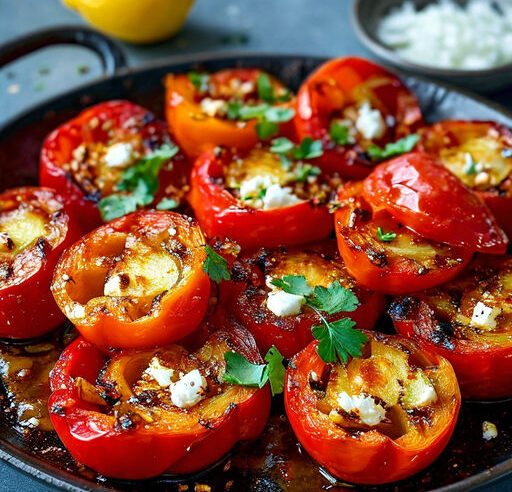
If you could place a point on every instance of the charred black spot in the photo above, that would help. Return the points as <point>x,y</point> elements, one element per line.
<point>378,258</point>
<point>218,180</point>
<point>442,334</point>
<point>58,410</point>
<point>93,196</point>
<point>124,280</point>
<point>5,271</point>
<point>422,270</point>
<point>359,215</point>
<point>364,156</point>
<point>206,423</point>
<point>402,308</point>
<point>148,118</point>
<point>42,245</point>
<point>239,273</point>
<point>146,397</point>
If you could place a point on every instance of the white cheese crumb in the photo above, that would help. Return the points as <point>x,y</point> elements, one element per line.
<point>75,311</point>
<point>283,304</point>
<point>369,412</point>
<point>370,122</point>
<point>189,390</point>
<point>213,107</point>
<point>161,374</point>
<point>112,286</point>
<point>251,187</point>
<point>277,197</point>
<point>119,155</point>
<point>485,316</point>
<point>31,423</point>
<point>482,178</point>
<point>489,430</point>
<point>444,34</point>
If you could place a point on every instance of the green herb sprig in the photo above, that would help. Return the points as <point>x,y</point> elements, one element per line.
<point>385,237</point>
<point>392,149</point>
<point>216,266</point>
<point>307,149</point>
<point>138,184</point>
<point>339,339</point>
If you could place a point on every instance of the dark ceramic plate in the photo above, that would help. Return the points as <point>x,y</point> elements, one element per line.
<point>275,462</point>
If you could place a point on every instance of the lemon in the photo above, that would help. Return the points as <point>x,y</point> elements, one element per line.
<point>135,21</point>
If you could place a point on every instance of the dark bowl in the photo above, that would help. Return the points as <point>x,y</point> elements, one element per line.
<point>366,15</point>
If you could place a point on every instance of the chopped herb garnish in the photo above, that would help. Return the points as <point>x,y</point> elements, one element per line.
<point>82,69</point>
<point>339,134</point>
<point>167,204</point>
<point>233,112</point>
<point>215,265</point>
<point>139,184</point>
<point>39,86</point>
<point>304,171</point>
<point>308,149</point>
<point>244,373</point>
<point>266,129</point>
<point>338,339</point>
<point>261,194</point>
<point>469,164</point>
<point>199,80</point>
<point>43,70</point>
<point>266,91</point>
<point>385,237</point>
<point>399,147</point>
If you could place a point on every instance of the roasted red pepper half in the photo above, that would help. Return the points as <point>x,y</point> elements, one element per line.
<point>246,297</point>
<point>135,282</point>
<point>205,111</point>
<point>138,414</point>
<point>255,201</point>
<point>84,159</point>
<point>426,197</point>
<point>351,104</point>
<point>468,321</point>
<point>35,229</point>
<point>378,418</point>
<point>383,255</point>
<point>479,153</point>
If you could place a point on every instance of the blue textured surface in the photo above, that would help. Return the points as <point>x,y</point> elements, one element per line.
<point>288,26</point>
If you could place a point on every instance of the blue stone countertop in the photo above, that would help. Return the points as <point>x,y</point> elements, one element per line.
<point>286,26</point>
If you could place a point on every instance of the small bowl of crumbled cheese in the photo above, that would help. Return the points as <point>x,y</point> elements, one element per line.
<point>465,42</point>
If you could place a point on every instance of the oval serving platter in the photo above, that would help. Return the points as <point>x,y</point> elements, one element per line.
<point>275,462</point>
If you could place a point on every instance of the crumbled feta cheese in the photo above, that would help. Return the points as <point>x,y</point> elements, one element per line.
<point>189,390</point>
<point>370,122</point>
<point>489,430</point>
<point>438,35</point>
<point>75,311</point>
<point>277,197</point>
<point>485,316</point>
<point>482,178</point>
<point>369,412</point>
<point>161,374</point>
<point>31,423</point>
<point>252,187</point>
<point>213,107</point>
<point>119,155</point>
<point>283,304</point>
<point>112,286</point>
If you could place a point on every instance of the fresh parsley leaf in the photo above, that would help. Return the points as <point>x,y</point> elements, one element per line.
<point>215,265</point>
<point>139,184</point>
<point>308,149</point>
<point>304,171</point>
<point>244,373</point>
<point>285,161</point>
<point>247,112</point>
<point>167,204</point>
<point>276,114</point>
<point>392,149</point>
<point>275,370</point>
<point>338,340</point>
<point>200,80</point>
<point>339,133</point>
<point>281,145</point>
<point>333,299</point>
<point>265,89</point>
<point>293,284</point>
<point>385,237</point>
<point>469,164</point>
<point>266,129</point>
<point>233,112</point>
<point>116,205</point>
